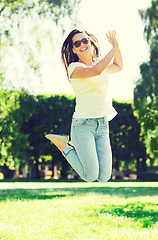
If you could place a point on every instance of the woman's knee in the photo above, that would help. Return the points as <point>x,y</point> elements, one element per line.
<point>104,178</point>
<point>91,177</point>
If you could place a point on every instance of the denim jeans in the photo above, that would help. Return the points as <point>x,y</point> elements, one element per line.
<point>91,155</point>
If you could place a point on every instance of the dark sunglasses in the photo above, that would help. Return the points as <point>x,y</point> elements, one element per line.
<point>78,42</point>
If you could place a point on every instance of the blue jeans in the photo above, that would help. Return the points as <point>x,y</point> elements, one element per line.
<point>91,155</point>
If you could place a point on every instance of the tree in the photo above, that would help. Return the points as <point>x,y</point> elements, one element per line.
<point>128,152</point>
<point>55,7</point>
<point>13,14</point>
<point>26,119</point>
<point>51,114</point>
<point>26,27</point>
<point>16,107</point>
<point>146,90</point>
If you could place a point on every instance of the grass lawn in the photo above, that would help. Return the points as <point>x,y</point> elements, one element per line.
<point>78,210</point>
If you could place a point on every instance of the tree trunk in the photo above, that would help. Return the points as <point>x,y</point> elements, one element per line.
<point>144,166</point>
<point>36,172</point>
<point>117,164</point>
<point>64,169</point>
<point>138,167</point>
<point>8,174</point>
<point>52,168</point>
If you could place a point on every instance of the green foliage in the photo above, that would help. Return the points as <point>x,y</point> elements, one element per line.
<point>146,90</point>
<point>125,132</point>
<point>22,139</point>
<point>7,124</point>
<point>27,27</point>
<point>52,115</point>
<point>148,176</point>
<point>44,7</point>
<point>12,5</point>
<point>14,144</point>
<point>150,16</point>
<point>25,119</point>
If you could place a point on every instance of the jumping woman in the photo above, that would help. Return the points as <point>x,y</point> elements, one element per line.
<point>90,153</point>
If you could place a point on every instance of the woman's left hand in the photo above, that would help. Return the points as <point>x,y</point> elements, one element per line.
<point>111,36</point>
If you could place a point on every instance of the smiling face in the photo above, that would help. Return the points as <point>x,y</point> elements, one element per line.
<point>85,48</point>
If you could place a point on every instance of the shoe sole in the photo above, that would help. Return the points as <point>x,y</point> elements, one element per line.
<point>63,138</point>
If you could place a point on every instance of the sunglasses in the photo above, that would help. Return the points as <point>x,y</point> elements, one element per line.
<point>78,42</point>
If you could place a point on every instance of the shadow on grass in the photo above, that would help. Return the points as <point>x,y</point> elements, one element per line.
<point>142,212</point>
<point>50,193</point>
<point>29,194</point>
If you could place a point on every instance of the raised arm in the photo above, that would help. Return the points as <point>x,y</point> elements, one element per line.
<point>99,67</point>
<point>117,62</point>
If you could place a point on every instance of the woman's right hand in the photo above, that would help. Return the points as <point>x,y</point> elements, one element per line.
<point>99,67</point>
<point>111,36</point>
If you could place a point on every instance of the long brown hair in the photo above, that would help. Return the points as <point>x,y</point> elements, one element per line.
<point>67,54</point>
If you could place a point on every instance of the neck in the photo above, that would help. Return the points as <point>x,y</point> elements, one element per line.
<point>87,61</point>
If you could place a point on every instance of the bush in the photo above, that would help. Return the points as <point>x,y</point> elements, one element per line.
<point>1,176</point>
<point>148,176</point>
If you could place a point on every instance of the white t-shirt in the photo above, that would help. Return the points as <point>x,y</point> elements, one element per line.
<point>93,98</point>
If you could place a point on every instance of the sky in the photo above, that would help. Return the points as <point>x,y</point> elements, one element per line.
<point>98,17</point>
<point>122,16</point>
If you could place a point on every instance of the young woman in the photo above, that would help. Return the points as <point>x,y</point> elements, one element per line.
<point>90,153</point>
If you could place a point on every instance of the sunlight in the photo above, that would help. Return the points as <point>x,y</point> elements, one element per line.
<point>124,18</point>
<point>98,19</point>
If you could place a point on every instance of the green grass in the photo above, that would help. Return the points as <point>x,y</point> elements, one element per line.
<point>78,210</point>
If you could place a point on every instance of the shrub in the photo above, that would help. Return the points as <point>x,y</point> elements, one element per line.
<point>148,176</point>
